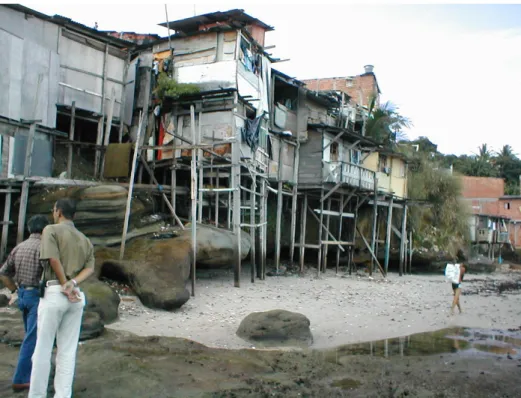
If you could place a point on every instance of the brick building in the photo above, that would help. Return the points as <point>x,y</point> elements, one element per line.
<point>360,88</point>
<point>486,199</point>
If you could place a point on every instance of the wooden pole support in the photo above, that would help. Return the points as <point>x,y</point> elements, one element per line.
<point>71,139</point>
<point>131,188</point>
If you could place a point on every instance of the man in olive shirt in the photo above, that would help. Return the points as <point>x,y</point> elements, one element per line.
<point>70,260</point>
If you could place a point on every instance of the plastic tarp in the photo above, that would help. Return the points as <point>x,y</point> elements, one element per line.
<point>452,273</point>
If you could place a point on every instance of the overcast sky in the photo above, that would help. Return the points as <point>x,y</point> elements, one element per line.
<point>455,71</point>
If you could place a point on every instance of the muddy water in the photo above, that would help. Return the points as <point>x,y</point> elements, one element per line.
<point>463,341</point>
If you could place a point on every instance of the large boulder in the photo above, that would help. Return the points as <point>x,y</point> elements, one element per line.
<point>101,299</point>
<point>100,209</point>
<point>215,247</point>
<point>12,327</point>
<point>156,269</point>
<point>276,328</point>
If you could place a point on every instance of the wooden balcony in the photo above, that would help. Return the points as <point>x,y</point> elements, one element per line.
<point>348,173</point>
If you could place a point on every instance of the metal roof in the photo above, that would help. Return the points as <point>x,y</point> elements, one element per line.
<point>347,133</point>
<point>72,25</point>
<point>236,17</point>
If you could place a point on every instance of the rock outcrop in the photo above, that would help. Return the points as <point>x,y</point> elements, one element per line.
<point>215,247</point>
<point>12,327</point>
<point>156,269</point>
<point>100,209</point>
<point>101,299</point>
<point>276,328</point>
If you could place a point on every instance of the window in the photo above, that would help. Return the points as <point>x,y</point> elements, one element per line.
<point>507,206</point>
<point>333,152</point>
<point>355,156</point>
<point>402,170</point>
<point>383,164</point>
<point>349,82</point>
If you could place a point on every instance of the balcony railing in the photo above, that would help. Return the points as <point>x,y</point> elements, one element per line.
<point>349,173</point>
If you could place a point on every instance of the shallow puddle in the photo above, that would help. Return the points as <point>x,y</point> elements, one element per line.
<point>465,341</point>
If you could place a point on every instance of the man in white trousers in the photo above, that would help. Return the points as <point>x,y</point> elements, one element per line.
<point>68,259</point>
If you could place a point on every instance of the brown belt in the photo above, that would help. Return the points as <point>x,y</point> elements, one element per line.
<point>27,287</point>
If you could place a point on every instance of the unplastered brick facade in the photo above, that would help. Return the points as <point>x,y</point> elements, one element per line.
<point>361,89</point>
<point>485,196</point>
<point>482,187</point>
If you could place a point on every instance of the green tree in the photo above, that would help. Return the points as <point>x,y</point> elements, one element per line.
<point>509,168</point>
<point>385,124</point>
<point>481,164</point>
<point>444,222</point>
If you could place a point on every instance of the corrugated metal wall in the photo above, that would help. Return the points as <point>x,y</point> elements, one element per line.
<point>71,69</point>
<point>28,48</point>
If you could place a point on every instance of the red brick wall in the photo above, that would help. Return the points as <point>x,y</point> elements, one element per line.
<point>511,208</point>
<point>483,187</point>
<point>349,85</point>
<point>257,33</point>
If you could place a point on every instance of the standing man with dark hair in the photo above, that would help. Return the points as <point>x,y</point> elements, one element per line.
<point>68,256</point>
<point>21,274</point>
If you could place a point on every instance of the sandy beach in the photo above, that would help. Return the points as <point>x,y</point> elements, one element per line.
<point>342,309</point>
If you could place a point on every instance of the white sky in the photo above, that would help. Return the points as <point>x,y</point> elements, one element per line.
<point>455,71</point>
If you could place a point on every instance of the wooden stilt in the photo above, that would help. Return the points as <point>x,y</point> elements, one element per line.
<point>374,236</point>
<point>264,228</point>
<point>326,247</point>
<point>25,185</point>
<point>253,199</point>
<point>230,205</point>
<point>340,223</point>
<point>123,101</point>
<point>140,174</point>
<point>349,257</point>
<point>193,195</point>
<point>236,182</point>
<point>355,222</point>
<point>173,171</point>
<point>278,237</point>
<point>294,200</point>
<point>99,140</point>
<point>388,233</point>
<point>71,139</point>
<point>108,127</point>
<point>403,239</point>
<point>303,226</point>
<point>217,200</point>
<point>99,137</point>
<point>372,253</point>
<point>131,188</point>
<point>5,225</point>
<point>163,195</point>
<point>320,232</point>
<point>410,252</point>
<point>200,170</point>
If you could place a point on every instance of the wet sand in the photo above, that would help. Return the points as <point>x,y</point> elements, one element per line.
<point>342,309</point>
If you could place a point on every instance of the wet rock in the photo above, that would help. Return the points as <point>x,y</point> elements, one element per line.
<point>12,327</point>
<point>4,300</point>
<point>92,326</point>
<point>102,299</point>
<point>100,209</point>
<point>156,270</point>
<point>275,328</point>
<point>216,246</point>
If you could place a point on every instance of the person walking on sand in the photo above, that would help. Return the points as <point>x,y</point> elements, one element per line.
<point>68,259</point>
<point>21,274</point>
<point>456,289</point>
